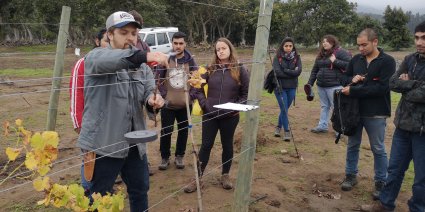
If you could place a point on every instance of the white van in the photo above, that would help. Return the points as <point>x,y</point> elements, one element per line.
<point>158,38</point>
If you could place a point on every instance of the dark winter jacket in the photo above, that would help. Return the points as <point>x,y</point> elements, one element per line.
<point>222,88</point>
<point>327,73</point>
<point>373,92</point>
<point>287,71</point>
<point>410,114</point>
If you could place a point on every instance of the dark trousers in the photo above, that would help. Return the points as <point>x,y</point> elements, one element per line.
<point>168,117</point>
<point>227,127</point>
<point>134,172</point>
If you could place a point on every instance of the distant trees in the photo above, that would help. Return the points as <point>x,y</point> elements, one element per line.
<point>305,20</point>
<point>397,34</point>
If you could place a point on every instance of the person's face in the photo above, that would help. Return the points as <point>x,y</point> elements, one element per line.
<point>365,46</point>
<point>287,47</point>
<point>420,42</point>
<point>122,38</point>
<point>326,45</point>
<point>179,45</point>
<point>102,42</point>
<point>222,50</point>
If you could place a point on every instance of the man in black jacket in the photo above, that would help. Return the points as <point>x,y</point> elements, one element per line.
<point>367,78</point>
<point>409,136</point>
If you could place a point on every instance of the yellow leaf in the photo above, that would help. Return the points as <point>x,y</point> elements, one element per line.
<point>12,153</point>
<point>6,128</point>
<point>37,141</point>
<point>30,161</point>
<point>43,201</point>
<point>41,184</point>
<point>42,170</point>
<point>50,138</point>
<point>18,122</point>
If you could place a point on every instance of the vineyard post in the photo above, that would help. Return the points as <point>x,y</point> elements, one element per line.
<point>58,68</point>
<point>244,178</point>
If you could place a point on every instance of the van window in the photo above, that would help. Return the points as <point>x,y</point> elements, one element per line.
<point>142,35</point>
<point>150,40</point>
<point>170,35</point>
<point>162,38</point>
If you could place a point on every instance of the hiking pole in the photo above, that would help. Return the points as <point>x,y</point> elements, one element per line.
<point>280,89</point>
<point>195,155</point>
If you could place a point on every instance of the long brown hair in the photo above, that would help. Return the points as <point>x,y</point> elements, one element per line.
<point>323,53</point>
<point>233,60</point>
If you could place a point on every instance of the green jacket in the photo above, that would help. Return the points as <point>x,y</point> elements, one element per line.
<point>410,114</point>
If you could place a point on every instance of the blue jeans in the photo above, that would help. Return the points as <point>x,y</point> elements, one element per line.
<point>375,128</point>
<point>326,95</point>
<point>134,172</point>
<point>288,95</point>
<point>405,147</point>
<point>84,183</point>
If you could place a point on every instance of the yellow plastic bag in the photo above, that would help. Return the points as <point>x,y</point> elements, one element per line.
<point>196,108</point>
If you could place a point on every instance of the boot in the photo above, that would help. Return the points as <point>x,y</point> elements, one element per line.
<point>376,207</point>
<point>277,132</point>
<point>192,186</point>
<point>349,182</point>
<point>164,164</point>
<point>287,136</point>
<point>379,185</point>
<point>179,162</point>
<point>225,182</point>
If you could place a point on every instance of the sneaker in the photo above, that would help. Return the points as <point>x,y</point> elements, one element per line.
<point>225,182</point>
<point>376,207</point>
<point>319,130</point>
<point>192,186</point>
<point>277,132</point>
<point>164,164</point>
<point>179,162</point>
<point>349,182</point>
<point>379,185</point>
<point>287,136</point>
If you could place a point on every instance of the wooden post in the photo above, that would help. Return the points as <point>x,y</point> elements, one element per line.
<point>58,69</point>
<point>195,157</point>
<point>244,178</point>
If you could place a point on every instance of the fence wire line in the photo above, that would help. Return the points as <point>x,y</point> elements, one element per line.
<point>159,131</point>
<point>212,5</point>
<point>204,175</point>
<point>247,63</point>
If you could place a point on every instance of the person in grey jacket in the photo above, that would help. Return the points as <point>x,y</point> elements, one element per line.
<point>287,67</point>
<point>329,65</point>
<point>409,135</point>
<point>117,86</point>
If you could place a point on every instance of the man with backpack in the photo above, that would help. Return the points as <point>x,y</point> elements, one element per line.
<point>409,136</point>
<point>367,78</point>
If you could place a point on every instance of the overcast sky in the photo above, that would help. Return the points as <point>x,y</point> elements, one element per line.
<point>381,4</point>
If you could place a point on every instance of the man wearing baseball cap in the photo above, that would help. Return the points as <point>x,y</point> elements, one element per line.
<point>118,84</point>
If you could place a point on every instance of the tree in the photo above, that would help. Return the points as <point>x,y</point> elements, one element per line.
<point>397,34</point>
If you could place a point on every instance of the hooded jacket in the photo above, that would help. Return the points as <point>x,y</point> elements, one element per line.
<point>114,97</point>
<point>327,73</point>
<point>173,79</point>
<point>410,113</point>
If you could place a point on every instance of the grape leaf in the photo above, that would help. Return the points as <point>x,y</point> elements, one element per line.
<point>30,161</point>
<point>6,128</point>
<point>18,122</point>
<point>41,183</point>
<point>37,141</point>
<point>50,138</point>
<point>42,170</point>
<point>12,153</point>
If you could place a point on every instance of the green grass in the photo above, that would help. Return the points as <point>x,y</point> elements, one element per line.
<point>36,48</point>
<point>408,178</point>
<point>25,72</point>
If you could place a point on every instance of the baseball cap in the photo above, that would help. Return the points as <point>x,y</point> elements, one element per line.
<point>120,19</point>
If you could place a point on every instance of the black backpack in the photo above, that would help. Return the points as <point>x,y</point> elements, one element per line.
<point>346,115</point>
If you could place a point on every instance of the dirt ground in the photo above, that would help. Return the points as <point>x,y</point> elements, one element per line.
<point>280,181</point>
